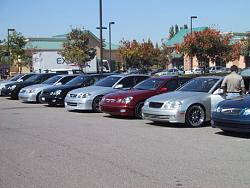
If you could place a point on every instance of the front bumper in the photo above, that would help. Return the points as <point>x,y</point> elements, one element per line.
<point>30,97</point>
<point>49,99</point>
<point>162,115</point>
<point>6,92</point>
<point>230,124</point>
<point>78,104</point>
<point>118,110</point>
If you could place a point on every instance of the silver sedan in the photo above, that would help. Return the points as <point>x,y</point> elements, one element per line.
<point>191,104</point>
<point>31,93</point>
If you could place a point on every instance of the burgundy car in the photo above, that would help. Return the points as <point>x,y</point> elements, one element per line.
<point>130,102</point>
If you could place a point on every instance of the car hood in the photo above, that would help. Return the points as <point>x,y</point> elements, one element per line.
<point>178,95</point>
<point>92,89</point>
<point>238,102</point>
<point>130,93</point>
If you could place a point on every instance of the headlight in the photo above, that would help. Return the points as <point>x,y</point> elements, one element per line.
<point>32,90</point>
<point>12,87</point>
<point>127,100</point>
<point>246,112</point>
<point>146,103</point>
<point>83,95</point>
<point>218,109</point>
<point>172,105</point>
<point>57,92</point>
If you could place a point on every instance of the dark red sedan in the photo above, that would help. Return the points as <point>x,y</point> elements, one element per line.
<point>130,102</point>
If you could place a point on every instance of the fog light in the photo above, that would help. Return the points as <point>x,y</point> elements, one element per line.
<point>122,110</point>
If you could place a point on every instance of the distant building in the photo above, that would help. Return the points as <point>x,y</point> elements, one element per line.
<point>54,44</point>
<point>184,61</point>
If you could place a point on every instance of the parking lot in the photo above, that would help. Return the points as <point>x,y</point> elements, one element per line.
<point>48,147</point>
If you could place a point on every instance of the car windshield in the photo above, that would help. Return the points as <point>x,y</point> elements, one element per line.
<point>149,84</point>
<point>77,81</point>
<point>199,85</point>
<point>15,78</point>
<point>33,78</point>
<point>108,81</point>
<point>52,80</point>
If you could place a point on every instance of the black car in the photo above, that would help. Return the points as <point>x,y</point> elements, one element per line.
<point>56,95</point>
<point>13,89</point>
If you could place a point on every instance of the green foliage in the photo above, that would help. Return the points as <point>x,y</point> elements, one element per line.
<point>171,32</point>
<point>76,49</point>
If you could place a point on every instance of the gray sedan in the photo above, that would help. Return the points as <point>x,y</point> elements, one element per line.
<point>31,93</point>
<point>191,104</point>
<point>88,98</point>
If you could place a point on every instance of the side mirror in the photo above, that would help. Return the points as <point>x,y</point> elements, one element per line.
<point>162,90</point>
<point>59,83</point>
<point>118,86</point>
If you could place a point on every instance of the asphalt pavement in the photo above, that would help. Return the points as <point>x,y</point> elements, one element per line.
<point>48,147</point>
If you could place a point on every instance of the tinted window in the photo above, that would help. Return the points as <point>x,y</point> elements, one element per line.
<point>77,81</point>
<point>128,82</point>
<point>199,85</point>
<point>139,79</point>
<point>16,77</point>
<point>171,85</point>
<point>108,81</point>
<point>33,78</point>
<point>149,84</point>
<point>52,80</point>
<point>25,77</point>
<point>64,80</point>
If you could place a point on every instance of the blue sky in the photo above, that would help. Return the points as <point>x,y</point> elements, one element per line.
<point>134,19</point>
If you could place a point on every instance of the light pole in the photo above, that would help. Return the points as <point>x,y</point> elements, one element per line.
<point>8,48</point>
<point>101,28</point>
<point>191,29</point>
<point>110,23</point>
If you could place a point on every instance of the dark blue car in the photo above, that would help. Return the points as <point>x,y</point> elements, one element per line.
<point>233,115</point>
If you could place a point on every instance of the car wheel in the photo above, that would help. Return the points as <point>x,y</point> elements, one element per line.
<point>138,112</point>
<point>96,105</point>
<point>195,116</point>
<point>37,97</point>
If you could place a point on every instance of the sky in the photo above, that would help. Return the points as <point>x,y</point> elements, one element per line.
<point>134,19</point>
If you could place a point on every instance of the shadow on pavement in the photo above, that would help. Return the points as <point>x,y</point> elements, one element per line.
<point>234,134</point>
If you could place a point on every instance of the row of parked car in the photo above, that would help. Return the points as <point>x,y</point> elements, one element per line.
<point>170,99</point>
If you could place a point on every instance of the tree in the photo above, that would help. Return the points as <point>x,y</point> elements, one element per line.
<point>138,55</point>
<point>245,50</point>
<point>185,26</point>
<point>176,29</point>
<point>76,49</point>
<point>171,32</point>
<point>165,56</point>
<point>209,45</point>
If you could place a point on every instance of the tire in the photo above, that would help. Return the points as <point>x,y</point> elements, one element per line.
<point>37,97</point>
<point>95,104</point>
<point>195,116</point>
<point>138,112</point>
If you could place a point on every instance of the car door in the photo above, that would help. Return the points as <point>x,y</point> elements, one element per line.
<point>216,97</point>
<point>171,85</point>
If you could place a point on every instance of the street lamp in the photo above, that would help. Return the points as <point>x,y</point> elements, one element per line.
<point>110,23</point>
<point>191,29</point>
<point>101,28</point>
<point>8,45</point>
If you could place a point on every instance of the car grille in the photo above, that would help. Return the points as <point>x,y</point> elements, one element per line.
<point>231,111</point>
<point>155,105</point>
<point>155,116</point>
<point>73,95</point>
<point>71,104</point>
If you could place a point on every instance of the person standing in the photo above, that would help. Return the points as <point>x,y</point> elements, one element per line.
<point>233,84</point>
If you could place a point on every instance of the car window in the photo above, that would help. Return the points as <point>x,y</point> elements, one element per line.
<point>76,81</point>
<point>139,79</point>
<point>149,84</point>
<point>108,81</point>
<point>128,82</point>
<point>52,80</point>
<point>171,85</point>
<point>199,85</point>
<point>66,79</point>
